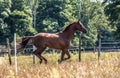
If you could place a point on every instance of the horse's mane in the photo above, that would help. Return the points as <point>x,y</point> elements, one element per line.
<point>67,27</point>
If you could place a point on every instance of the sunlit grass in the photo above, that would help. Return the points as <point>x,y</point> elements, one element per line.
<point>108,66</point>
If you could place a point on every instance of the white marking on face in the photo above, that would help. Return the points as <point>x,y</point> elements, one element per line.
<point>81,25</point>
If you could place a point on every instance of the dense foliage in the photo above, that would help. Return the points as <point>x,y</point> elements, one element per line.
<point>112,10</point>
<point>53,15</point>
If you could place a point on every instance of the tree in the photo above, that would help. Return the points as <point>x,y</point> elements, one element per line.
<point>5,6</point>
<point>112,10</point>
<point>20,20</point>
<point>52,15</point>
<point>93,17</point>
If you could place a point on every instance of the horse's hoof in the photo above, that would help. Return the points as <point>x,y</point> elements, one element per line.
<point>40,62</point>
<point>59,61</point>
<point>45,62</point>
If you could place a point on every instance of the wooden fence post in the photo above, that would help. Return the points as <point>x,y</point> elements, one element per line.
<point>15,52</point>
<point>99,46</point>
<point>34,58</point>
<point>79,55</point>
<point>9,51</point>
<point>79,17</point>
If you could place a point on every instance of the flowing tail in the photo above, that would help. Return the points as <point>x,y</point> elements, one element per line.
<point>25,40</point>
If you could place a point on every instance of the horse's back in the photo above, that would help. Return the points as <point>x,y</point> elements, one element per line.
<point>46,36</point>
<point>50,40</point>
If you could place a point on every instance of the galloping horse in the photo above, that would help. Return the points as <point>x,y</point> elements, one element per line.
<point>60,40</point>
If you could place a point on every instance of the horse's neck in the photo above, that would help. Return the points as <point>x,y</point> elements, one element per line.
<point>69,34</point>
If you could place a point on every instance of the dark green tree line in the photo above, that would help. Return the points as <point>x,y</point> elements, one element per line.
<point>112,10</point>
<point>52,16</point>
<point>5,11</point>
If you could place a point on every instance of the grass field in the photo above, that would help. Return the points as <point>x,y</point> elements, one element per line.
<point>107,67</point>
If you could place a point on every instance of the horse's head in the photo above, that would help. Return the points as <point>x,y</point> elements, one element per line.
<point>80,27</point>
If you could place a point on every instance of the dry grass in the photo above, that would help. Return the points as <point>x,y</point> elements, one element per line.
<point>107,67</point>
<point>1,60</point>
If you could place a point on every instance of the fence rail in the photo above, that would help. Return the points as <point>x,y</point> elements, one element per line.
<point>72,49</point>
<point>106,46</point>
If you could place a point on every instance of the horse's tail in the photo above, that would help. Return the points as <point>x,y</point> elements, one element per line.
<point>25,40</point>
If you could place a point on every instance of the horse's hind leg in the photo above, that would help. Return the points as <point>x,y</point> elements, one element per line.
<point>44,59</point>
<point>36,52</point>
<point>40,52</point>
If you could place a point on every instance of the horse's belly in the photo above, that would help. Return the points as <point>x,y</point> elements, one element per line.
<point>57,44</point>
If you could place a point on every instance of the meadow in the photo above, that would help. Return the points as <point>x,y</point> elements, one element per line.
<point>108,66</point>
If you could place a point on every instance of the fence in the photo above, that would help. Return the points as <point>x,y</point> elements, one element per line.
<point>113,46</point>
<point>106,46</point>
<point>5,49</point>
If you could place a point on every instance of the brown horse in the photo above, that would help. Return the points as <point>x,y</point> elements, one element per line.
<point>60,40</point>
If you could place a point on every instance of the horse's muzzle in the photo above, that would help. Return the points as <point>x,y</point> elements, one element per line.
<point>85,31</point>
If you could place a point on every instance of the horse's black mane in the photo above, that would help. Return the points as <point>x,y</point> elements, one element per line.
<point>67,28</point>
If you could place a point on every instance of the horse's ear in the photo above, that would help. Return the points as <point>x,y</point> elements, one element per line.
<point>78,20</point>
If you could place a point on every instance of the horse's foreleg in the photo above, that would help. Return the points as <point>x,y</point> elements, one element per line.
<point>62,57</point>
<point>68,54</point>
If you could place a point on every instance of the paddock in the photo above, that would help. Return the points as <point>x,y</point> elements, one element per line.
<point>1,60</point>
<point>28,19</point>
<point>108,66</point>
<point>89,66</point>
